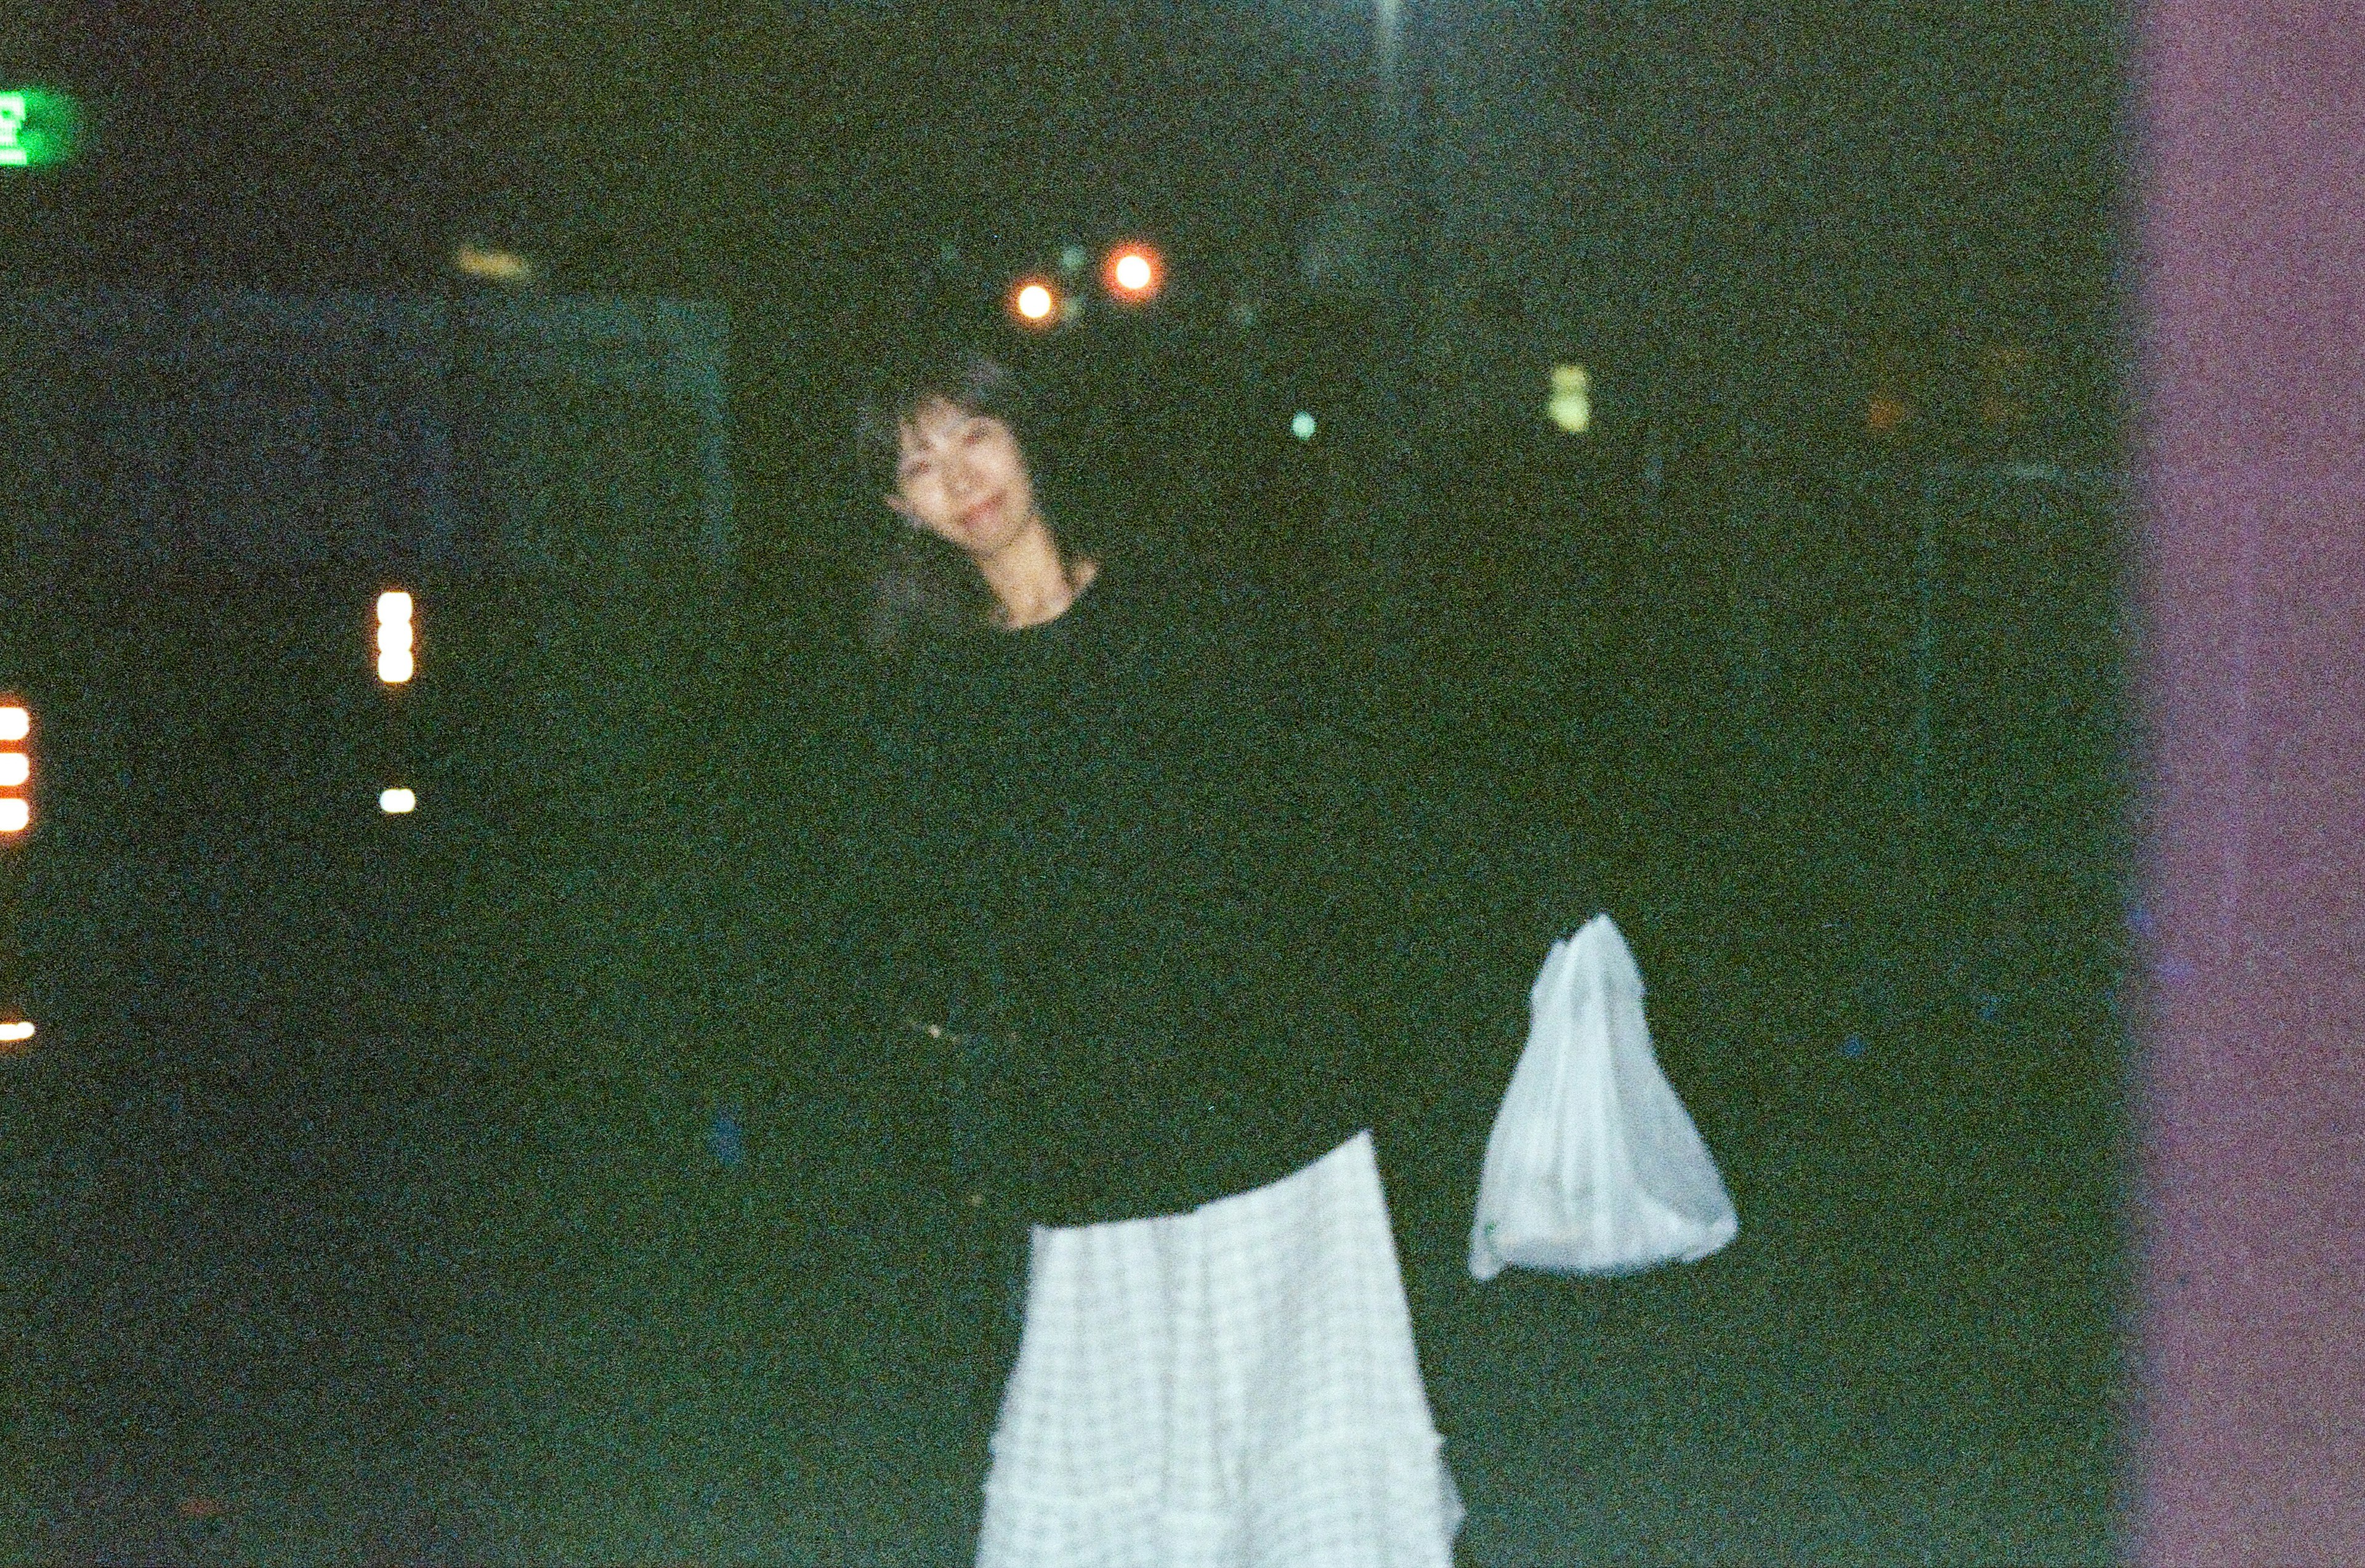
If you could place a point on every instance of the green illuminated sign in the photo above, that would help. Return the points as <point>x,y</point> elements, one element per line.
<point>37,128</point>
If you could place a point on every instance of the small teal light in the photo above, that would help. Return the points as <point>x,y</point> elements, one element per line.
<point>1303,427</point>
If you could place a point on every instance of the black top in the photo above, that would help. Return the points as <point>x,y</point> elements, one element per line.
<point>1092,858</point>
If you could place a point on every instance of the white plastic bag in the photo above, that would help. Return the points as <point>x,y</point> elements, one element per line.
<point>1593,1166</point>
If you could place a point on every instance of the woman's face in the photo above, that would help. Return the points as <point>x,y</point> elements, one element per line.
<point>962,477</point>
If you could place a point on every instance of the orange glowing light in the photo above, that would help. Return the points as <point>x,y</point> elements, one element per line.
<point>1133,273</point>
<point>1035,301</point>
<point>15,767</point>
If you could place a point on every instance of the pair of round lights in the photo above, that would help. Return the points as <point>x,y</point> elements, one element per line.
<point>16,768</point>
<point>396,639</point>
<point>1131,275</point>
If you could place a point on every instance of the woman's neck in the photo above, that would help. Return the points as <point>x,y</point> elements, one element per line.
<point>1030,581</point>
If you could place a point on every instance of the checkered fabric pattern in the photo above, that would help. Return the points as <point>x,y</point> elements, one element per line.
<point>1233,1387</point>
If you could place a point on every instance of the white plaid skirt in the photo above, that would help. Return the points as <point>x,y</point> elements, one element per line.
<point>1233,1387</point>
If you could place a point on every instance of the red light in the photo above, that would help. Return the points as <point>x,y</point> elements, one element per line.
<point>1133,273</point>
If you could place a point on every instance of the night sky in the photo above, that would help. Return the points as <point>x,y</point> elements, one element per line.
<point>1738,173</point>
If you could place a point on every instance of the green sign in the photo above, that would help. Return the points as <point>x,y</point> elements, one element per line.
<point>37,128</point>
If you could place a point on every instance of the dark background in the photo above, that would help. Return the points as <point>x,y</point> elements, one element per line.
<point>1740,218</point>
<point>481,1189</point>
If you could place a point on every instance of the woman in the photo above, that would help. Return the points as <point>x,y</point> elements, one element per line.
<point>1078,853</point>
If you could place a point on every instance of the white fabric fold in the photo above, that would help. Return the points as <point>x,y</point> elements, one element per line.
<point>1235,1387</point>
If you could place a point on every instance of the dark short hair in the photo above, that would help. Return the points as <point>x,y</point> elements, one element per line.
<point>957,374</point>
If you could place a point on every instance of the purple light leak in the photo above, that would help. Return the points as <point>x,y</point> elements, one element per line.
<point>2250,1211</point>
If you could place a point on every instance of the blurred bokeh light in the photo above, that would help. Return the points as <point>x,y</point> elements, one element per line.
<point>38,128</point>
<point>1571,408</point>
<point>394,638</point>
<point>492,266</point>
<point>1035,302</point>
<point>1134,273</point>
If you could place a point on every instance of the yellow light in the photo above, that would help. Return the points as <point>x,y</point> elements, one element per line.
<point>1133,272</point>
<point>394,637</point>
<point>14,815</point>
<point>10,1034</point>
<point>15,768</point>
<point>15,724</point>
<point>395,666</point>
<point>493,266</point>
<point>394,607</point>
<point>1035,302</point>
<point>1571,408</point>
<point>397,803</point>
